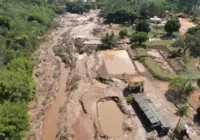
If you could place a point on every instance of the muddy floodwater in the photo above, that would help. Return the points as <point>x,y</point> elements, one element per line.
<point>110,118</point>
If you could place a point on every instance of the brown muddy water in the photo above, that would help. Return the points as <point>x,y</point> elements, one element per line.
<point>49,129</point>
<point>110,118</point>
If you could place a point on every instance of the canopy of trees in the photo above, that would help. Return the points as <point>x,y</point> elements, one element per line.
<point>22,23</point>
<point>172,25</point>
<point>13,120</point>
<point>109,41</point>
<point>139,37</point>
<point>143,26</point>
<point>181,87</point>
<point>190,42</point>
<point>78,6</point>
<point>123,33</point>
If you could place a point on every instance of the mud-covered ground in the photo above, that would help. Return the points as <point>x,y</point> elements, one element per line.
<point>69,87</point>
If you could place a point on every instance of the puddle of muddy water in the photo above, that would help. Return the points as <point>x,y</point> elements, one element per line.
<point>110,118</point>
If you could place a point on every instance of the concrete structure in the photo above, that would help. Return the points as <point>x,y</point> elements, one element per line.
<point>118,62</point>
<point>156,20</point>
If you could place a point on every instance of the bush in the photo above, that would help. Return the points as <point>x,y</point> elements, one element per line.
<point>5,21</point>
<point>123,33</point>
<point>139,37</point>
<point>59,10</point>
<point>36,17</point>
<point>130,98</point>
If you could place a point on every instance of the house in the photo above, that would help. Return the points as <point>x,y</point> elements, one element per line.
<point>156,20</point>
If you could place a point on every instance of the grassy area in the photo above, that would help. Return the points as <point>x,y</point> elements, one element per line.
<point>157,31</point>
<point>141,52</point>
<point>156,70</point>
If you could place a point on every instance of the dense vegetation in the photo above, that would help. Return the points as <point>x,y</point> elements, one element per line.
<point>22,25</point>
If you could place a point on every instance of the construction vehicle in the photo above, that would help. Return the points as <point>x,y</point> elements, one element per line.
<point>136,84</point>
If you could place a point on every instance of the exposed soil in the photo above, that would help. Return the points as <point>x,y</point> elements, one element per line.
<point>68,94</point>
<point>185,25</point>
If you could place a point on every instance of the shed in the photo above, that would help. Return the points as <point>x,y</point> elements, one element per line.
<point>151,112</point>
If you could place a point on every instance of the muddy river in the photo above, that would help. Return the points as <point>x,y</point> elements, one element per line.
<point>110,118</point>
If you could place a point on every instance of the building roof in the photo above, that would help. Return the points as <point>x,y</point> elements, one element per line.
<point>92,42</point>
<point>155,18</point>
<point>150,109</point>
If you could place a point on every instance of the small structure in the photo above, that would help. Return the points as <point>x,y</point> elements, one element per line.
<point>149,110</point>
<point>156,20</point>
<point>92,42</point>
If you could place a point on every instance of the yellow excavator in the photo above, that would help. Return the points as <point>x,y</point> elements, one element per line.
<point>136,84</point>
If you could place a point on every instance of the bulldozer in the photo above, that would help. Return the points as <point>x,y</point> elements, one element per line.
<point>136,84</point>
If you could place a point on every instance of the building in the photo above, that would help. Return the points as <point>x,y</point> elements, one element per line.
<point>156,20</point>
<point>147,108</point>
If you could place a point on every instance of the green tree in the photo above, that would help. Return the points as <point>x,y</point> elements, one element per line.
<point>16,86</point>
<point>21,64</point>
<point>109,41</point>
<point>182,112</point>
<point>13,120</point>
<point>181,44</point>
<point>130,98</point>
<point>123,33</point>
<point>139,37</point>
<point>143,26</point>
<point>172,25</point>
<point>181,87</point>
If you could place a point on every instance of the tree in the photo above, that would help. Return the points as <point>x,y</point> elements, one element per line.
<point>139,37</point>
<point>109,41</point>
<point>182,112</point>
<point>13,120</point>
<point>123,33</point>
<point>181,87</point>
<point>172,25</point>
<point>130,98</point>
<point>143,26</point>
<point>181,44</point>
<point>21,64</point>
<point>16,86</point>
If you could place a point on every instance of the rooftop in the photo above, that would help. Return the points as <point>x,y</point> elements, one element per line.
<point>150,109</point>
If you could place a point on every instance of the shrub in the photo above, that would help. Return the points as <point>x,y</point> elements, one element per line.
<point>130,98</point>
<point>36,17</point>
<point>123,33</point>
<point>5,21</point>
<point>139,37</point>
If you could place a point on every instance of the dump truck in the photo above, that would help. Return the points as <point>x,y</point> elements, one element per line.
<point>136,84</point>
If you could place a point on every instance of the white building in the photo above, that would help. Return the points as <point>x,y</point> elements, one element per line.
<point>156,20</point>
